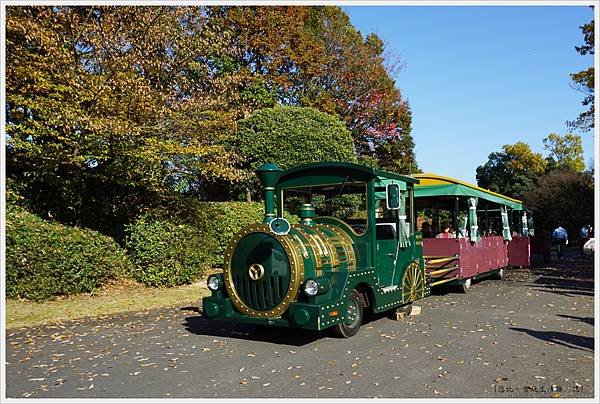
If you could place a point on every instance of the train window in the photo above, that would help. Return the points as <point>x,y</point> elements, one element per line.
<point>346,201</point>
<point>433,213</point>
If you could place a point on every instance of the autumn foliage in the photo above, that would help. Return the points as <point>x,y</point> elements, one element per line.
<point>113,109</point>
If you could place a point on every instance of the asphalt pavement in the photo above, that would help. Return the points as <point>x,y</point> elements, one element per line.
<point>529,335</point>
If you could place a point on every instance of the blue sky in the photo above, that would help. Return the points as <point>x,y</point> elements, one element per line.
<point>480,77</point>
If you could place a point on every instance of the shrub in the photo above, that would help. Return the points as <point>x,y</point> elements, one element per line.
<point>220,221</point>
<point>290,136</point>
<point>166,253</point>
<point>166,246</point>
<point>45,259</point>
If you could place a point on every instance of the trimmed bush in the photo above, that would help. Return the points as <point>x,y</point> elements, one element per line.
<point>290,136</point>
<point>166,253</point>
<point>220,221</point>
<point>45,259</point>
<point>172,249</point>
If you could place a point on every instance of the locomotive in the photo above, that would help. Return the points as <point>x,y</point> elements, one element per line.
<point>355,249</point>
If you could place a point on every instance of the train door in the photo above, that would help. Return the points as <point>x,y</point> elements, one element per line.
<point>388,234</point>
<point>386,250</point>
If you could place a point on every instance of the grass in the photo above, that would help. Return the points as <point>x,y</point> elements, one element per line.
<point>117,297</point>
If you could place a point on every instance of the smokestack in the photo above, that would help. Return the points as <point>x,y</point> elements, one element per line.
<point>268,174</point>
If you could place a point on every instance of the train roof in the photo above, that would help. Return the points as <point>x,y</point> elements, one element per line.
<point>327,167</point>
<point>436,185</point>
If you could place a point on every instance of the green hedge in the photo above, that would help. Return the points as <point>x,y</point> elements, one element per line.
<point>166,253</point>
<point>220,221</point>
<point>45,259</point>
<point>171,249</point>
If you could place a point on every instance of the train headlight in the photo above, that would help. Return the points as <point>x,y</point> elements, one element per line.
<point>311,287</point>
<point>214,282</point>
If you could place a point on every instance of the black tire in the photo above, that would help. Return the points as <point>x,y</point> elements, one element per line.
<point>353,318</point>
<point>500,274</point>
<point>466,285</point>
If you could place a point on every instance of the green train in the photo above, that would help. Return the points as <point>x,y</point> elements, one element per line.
<point>357,248</point>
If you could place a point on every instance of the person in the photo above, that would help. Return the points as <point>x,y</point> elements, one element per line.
<point>490,232</point>
<point>560,239</point>
<point>426,230</point>
<point>588,247</point>
<point>446,231</point>
<point>584,235</point>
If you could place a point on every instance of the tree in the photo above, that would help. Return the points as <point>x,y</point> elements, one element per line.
<point>562,197</point>
<point>566,152</point>
<point>397,155</point>
<point>290,136</point>
<point>513,171</point>
<point>358,76</point>
<point>111,108</point>
<point>114,99</point>
<point>314,57</point>
<point>583,81</point>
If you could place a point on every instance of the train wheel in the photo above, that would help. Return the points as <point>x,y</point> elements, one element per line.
<point>466,285</point>
<point>413,283</point>
<point>354,316</point>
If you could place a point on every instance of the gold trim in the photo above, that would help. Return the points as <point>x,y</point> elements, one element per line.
<point>346,243</point>
<point>442,259</point>
<point>443,281</point>
<point>296,271</point>
<point>302,246</point>
<point>443,271</point>
<point>303,233</point>
<point>302,230</point>
<point>256,272</point>
<point>343,223</point>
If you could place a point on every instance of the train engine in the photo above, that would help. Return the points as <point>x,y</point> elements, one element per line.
<point>321,272</point>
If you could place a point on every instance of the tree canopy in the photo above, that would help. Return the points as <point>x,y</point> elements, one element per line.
<point>583,81</point>
<point>314,57</point>
<point>111,107</point>
<point>566,152</point>
<point>562,197</point>
<point>115,91</point>
<point>512,171</point>
<point>555,188</point>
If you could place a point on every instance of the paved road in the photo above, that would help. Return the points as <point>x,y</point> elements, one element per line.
<point>530,335</point>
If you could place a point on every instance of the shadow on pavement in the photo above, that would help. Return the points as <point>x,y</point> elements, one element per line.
<point>565,283</point>
<point>572,274</point>
<point>587,320</point>
<point>276,335</point>
<point>568,293</point>
<point>561,338</point>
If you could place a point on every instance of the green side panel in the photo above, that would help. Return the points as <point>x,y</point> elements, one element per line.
<point>461,190</point>
<point>474,232</point>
